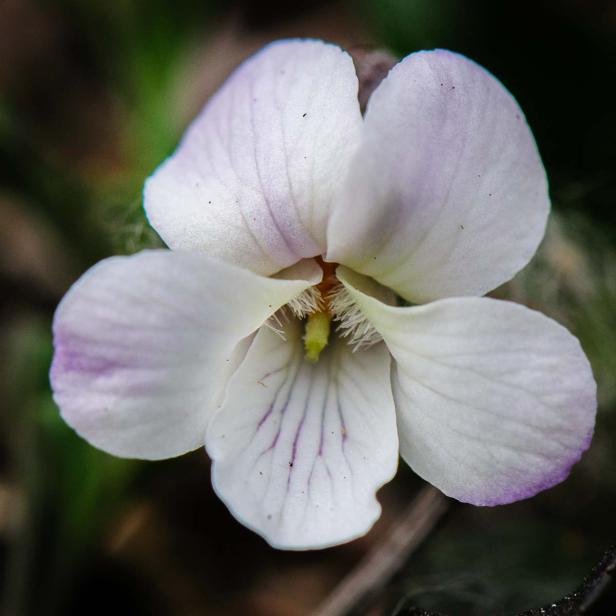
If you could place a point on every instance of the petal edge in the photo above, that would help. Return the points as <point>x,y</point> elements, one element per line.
<point>495,402</point>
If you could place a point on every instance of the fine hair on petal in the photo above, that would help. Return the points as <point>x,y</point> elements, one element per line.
<point>306,303</point>
<point>351,322</point>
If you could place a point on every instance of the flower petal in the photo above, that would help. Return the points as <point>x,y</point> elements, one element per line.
<point>447,195</point>
<point>299,448</point>
<point>143,344</point>
<point>495,402</point>
<point>253,179</point>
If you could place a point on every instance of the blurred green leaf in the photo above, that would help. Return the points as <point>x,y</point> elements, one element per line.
<point>70,489</point>
<point>408,25</point>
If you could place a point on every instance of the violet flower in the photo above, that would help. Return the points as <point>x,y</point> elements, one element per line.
<point>273,331</point>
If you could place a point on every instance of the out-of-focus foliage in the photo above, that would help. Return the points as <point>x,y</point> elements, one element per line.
<point>66,488</point>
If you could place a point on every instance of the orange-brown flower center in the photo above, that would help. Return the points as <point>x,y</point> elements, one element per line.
<point>328,282</point>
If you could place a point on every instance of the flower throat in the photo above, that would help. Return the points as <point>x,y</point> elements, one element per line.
<point>318,322</point>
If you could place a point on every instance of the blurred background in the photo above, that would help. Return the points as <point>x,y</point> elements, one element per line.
<point>92,96</point>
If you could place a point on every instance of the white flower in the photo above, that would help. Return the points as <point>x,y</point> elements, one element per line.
<point>436,194</point>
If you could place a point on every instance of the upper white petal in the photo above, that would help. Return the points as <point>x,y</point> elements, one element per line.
<point>143,346</point>
<point>495,402</point>
<point>447,195</point>
<point>254,177</point>
<point>299,449</point>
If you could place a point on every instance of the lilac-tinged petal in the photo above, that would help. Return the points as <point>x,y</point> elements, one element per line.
<point>495,402</point>
<point>447,195</point>
<point>143,346</point>
<point>254,177</point>
<point>300,449</point>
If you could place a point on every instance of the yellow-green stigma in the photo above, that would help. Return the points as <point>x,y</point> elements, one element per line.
<point>316,334</point>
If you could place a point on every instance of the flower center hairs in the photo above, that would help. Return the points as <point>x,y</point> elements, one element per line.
<point>328,306</point>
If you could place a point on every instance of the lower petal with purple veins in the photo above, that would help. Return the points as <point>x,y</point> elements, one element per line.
<point>300,448</point>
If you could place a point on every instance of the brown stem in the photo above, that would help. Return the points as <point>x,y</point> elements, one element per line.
<point>380,564</point>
